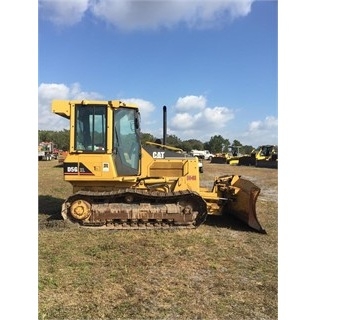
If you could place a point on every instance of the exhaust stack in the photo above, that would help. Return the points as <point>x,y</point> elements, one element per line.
<point>164,125</point>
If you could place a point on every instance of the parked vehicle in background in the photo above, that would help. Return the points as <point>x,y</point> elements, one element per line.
<point>47,151</point>
<point>264,156</point>
<point>202,154</point>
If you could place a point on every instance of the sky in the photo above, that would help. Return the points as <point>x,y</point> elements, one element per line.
<point>213,64</point>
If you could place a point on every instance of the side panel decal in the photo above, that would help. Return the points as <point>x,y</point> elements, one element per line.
<point>74,168</point>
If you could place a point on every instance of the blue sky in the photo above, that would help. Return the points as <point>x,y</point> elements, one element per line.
<point>212,63</point>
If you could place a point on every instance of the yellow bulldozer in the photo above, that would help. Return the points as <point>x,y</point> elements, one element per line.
<point>265,156</point>
<point>118,183</point>
<point>230,158</point>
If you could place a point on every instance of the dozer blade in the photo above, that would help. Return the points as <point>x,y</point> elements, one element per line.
<point>243,206</point>
<point>222,160</point>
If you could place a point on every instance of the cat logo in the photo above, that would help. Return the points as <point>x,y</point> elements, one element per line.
<point>158,155</point>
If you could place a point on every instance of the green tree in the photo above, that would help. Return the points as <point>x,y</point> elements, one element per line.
<point>60,138</point>
<point>174,141</point>
<point>246,149</point>
<point>147,137</point>
<point>192,144</point>
<point>217,144</point>
<point>45,136</point>
<point>236,143</point>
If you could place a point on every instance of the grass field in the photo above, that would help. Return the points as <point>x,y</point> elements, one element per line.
<point>220,270</point>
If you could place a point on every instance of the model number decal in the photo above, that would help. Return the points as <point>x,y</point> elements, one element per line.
<point>74,168</point>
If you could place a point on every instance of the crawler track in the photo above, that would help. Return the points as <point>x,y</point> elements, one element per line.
<point>135,209</point>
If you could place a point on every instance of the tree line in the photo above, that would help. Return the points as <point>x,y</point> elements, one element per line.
<point>216,144</point>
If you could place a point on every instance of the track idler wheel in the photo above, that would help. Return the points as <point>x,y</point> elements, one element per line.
<point>80,209</point>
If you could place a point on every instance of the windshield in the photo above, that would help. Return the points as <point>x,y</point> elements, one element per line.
<point>90,128</point>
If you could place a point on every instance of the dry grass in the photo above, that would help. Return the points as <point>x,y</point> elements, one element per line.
<point>218,271</point>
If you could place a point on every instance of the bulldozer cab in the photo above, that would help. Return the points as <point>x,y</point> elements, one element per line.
<point>266,151</point>
<point>104,127</point>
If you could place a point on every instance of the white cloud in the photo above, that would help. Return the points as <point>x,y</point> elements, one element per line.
<point>190,102</point>
<point>46,93</point>
<point>50,91</point>
<point>146,109</point>
<point>184,121</point>
<point>195,119</point>
<point>63,12</point>
<point>146,14</point>
<point>261,132</point>
<point>218,116</point>
<point>268,123</point>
